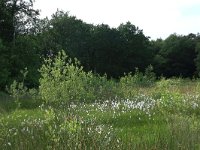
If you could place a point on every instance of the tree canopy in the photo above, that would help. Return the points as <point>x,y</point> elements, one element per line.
<point>25,40</point>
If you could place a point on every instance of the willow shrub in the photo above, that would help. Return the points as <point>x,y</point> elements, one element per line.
<point>63,79</point>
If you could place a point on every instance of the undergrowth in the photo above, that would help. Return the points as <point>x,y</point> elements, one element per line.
<point>74,109</point>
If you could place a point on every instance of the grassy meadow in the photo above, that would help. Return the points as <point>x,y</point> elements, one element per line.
<point>73,109</point>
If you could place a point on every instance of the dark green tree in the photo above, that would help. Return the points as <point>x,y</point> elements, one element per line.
<point>4,65</point>
<point>17,25</point>
<point>122,49</point>
<point>177,55</point>
<point>70,34</point>
<point>138,51</point>
<point>26,54</point>
<point>159,60</point>
<point>17,17</point>
<point>197,60</point>
<point>107,51</point>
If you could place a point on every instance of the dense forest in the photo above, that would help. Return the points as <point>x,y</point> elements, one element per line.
<point>25,40</point>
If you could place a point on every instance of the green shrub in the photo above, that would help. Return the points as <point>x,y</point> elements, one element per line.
<point>63,79</point>
<point>22,96</point>
<point>130,83</point>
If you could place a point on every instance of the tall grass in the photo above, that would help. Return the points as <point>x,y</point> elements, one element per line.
<point>74,109</point>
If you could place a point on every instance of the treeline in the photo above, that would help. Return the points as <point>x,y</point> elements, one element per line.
<point>25,40</point>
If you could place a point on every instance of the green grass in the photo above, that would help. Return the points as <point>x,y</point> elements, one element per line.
<point>163,116</point>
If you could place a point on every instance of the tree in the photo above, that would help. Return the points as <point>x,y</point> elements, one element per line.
<point>17,17</point>
<point>4,65</point>
<point>70,34</point>
<point>176,57</point>
<point>139,53</point>
<point>122,49</point>
<point>107,52</point>
<point>197,60</point>
<point>25,54</point>
<point>159,60</point>
<point>17,51</point>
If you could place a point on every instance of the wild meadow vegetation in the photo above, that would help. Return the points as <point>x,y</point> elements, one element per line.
<point>74,109</point>
<point>124,91</point>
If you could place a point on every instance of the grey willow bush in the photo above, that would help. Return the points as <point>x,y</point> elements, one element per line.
<point>63,79</point>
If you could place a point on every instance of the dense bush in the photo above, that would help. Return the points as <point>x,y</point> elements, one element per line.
<point>131,83</point>
<point>63,79</point>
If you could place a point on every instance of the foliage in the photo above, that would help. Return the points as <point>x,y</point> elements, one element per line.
<point>4,65</point>
<point>176,56</point>
<point>17,17</point>
<point>63,79</point>
<point>20,93</point>
<point>170,121</point>
<point>138,52</point>
<point>101,109</point>
<point>198,58</point>
<point>130,83</point>
<point>26,40</point>
<point>25,54</point>
<point>123,48</point>
<point>17,49</point>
